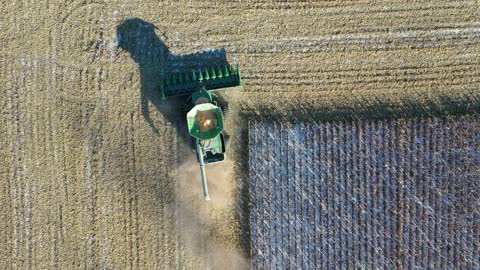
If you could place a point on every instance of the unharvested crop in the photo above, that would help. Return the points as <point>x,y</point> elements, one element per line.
<point>391,194</point>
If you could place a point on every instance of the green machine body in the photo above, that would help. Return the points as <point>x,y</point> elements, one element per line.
<point>205,119</point>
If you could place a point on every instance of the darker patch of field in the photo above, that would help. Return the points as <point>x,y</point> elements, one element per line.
<point>369,193</point>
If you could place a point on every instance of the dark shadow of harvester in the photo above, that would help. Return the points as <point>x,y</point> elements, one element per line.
<point>188,82</point>
<point>165,75</point>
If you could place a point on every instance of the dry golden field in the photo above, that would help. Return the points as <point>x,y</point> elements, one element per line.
<point>95,171</point>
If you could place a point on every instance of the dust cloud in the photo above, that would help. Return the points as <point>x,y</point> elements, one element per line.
<point>209,229</point>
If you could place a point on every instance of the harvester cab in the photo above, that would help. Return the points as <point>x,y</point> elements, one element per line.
<point>205,117</point>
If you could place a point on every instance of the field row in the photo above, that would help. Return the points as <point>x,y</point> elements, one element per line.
<point>279,46</point>
<point>88,178</point>
<point>366,195</point>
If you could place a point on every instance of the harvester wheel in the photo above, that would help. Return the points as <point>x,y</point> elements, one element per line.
<point>227,141</point>
<point>225,111</point>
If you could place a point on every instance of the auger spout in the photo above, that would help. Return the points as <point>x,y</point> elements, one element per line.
<point>202,170</point>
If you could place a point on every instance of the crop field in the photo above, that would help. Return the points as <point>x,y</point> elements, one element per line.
<point>95,168</point>
<point>393,194</point>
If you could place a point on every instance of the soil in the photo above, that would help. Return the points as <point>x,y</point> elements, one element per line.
<point>90,159</point>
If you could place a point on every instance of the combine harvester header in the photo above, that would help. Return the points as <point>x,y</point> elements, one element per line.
<point>215,78</point>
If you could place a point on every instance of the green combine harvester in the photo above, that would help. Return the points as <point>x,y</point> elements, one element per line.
<point>204,117</point>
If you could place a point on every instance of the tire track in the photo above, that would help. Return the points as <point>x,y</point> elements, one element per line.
<point>91,193</point>
<point>135,223</point>
<point>14,119</point>
<point>27,136</point>
<point>6,171</point>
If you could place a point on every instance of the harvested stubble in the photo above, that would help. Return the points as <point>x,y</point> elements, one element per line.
<point>393,194</point>
<point>88,147</point>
